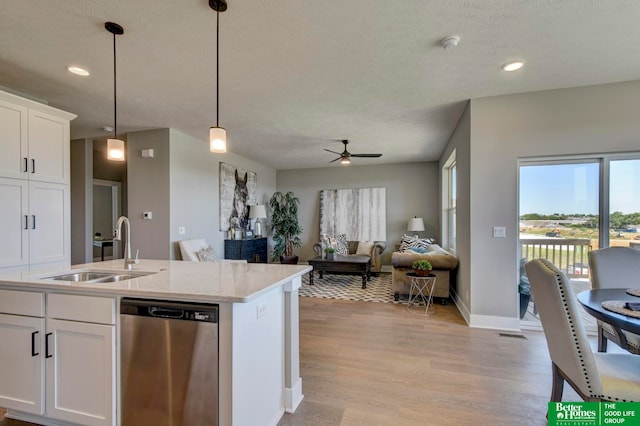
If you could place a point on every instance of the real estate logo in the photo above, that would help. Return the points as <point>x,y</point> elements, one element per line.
<point>593,413</point>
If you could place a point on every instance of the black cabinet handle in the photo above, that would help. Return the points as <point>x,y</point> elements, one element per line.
<point>33,344</point>
<point>26,221</point>
<point>26,164</point>
<point>33,165</point>
<point>33,216</point>
<point>46,345</point>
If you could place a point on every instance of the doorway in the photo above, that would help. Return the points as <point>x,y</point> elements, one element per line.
<point>106,211</point>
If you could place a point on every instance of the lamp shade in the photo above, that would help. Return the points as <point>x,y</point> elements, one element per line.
<point>115,149</point>
<point>257,212</point>
<point>416,224</point>
<point>217,139</point>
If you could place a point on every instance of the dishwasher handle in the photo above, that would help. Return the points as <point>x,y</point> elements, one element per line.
<point>163,312</point>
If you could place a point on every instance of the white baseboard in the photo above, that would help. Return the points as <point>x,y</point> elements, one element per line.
<point>485,321</point>
<point>293,397</point>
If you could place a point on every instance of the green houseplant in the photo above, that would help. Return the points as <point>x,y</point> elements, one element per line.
<point>421,267</point>
<point>329,251</point>
<point>284,226</point>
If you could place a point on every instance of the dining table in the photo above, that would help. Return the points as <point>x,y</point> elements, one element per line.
<point>591,301</point>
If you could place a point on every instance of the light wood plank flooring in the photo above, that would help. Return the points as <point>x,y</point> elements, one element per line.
<point>368,363</point>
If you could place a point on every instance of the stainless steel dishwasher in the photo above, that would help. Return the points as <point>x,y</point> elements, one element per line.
<point>169,363</point>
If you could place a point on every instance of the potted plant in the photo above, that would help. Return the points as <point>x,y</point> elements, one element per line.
<point>421,267</point>
<point>284,226</point>
<point>329,251</point>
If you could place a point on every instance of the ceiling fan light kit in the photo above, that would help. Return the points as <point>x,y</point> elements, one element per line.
<point>115,146</point>
<point>217,134</point>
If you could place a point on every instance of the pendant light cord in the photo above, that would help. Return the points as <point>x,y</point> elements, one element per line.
<point>115,98</point>
<point>217,66</point>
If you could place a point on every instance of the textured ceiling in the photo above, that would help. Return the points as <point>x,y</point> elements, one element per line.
<point>297,74</point>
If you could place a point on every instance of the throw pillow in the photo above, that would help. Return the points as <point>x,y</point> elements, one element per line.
<point>410,241</point>
<point>342,247</point>
<point>365,247</point>
<point>207,255</point>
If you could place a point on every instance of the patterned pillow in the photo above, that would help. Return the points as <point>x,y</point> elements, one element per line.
<point>341,245</point>
<point>411,242</point>
<point>207,255</point>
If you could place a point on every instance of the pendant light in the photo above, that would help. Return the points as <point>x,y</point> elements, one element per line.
<point>217,134</point>
<point>115,146</point>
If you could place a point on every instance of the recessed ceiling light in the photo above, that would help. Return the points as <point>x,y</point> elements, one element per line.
<point>79,71</point>
<point>512,66</point>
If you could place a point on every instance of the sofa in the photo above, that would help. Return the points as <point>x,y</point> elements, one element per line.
<point>376,252</point>
<point>443,263</point>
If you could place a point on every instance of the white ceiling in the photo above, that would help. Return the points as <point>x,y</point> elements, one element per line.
<point>297,74</point>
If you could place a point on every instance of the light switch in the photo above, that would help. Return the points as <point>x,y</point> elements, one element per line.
<point>499,232</point>
<point>147,215</point>
<point>181,230</point>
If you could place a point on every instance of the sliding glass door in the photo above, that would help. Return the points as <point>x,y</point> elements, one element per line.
<point>624,203</point>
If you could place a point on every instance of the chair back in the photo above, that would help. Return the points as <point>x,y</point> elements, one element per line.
<point>190,248</point>
<point>563,327</point>
<point>614,267</point>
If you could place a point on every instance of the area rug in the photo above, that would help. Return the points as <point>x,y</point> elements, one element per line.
<point>348,287</point>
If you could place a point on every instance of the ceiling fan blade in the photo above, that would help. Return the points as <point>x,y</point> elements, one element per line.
<point>333,161</point>
<point>333,152</point>
<point>367,155</point>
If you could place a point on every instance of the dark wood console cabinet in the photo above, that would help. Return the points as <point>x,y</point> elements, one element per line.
<point>253,250</point>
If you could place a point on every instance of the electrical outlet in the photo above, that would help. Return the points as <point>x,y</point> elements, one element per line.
<point>261,310</point>
<point>499,232</point>
<point>181,230</point>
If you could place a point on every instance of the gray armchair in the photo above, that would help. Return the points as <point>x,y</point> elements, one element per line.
<point>376,252</point>
<point>615,267</point>
<point>594,376</point>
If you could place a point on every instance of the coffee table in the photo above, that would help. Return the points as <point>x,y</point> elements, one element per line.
<point>342,264</point>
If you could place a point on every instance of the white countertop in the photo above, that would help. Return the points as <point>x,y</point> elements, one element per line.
<point>172,279</point>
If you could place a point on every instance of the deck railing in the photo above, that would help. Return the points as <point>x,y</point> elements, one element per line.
<point>568,254</point>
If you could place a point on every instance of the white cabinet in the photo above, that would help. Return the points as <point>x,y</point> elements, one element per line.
<point>34,184</point>
<point>34,223</point>
<point>61,367</point>
<point>21,351</point>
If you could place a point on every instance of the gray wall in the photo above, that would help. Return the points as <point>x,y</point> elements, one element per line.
<point>596,119</point>
<point>460,141</point>
<point>81,201</point>
<point>194,188</point>
<point>412,190</point>
<point>148,190</point>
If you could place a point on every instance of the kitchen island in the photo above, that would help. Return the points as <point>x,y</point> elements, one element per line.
<point>259,375</point>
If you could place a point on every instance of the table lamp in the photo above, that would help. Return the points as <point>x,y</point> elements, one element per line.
<point>258,212</point>
<point>416,224</point>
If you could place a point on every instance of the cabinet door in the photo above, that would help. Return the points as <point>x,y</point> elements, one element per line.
<point>22,363</point>
<point>81,375</point>
<point>48,148</point>
<point>14,250</point>
<point>13,139</point>
<point>49,223</point>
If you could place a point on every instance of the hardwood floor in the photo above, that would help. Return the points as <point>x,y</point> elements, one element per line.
<point>366,363</point>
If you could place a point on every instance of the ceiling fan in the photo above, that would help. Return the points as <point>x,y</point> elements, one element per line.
<point>345,156</point>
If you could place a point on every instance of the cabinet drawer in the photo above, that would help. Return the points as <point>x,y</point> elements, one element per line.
<point>18,302</point>
<point>100,310</point>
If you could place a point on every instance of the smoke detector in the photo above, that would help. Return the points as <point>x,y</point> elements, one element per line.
<point>450,42</point>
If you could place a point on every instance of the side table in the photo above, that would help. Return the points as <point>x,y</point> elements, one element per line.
<point>421,290</point>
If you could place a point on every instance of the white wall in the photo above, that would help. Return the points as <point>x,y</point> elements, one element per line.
<point>195,192</point>
<point>81,201</point>
<point>596,119</point>
<point>412,190</point>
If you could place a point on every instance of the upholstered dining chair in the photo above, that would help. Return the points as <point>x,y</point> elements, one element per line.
<point>615,267</point>
<point>594,376</point>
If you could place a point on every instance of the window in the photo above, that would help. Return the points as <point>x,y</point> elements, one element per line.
<point>449,188</point>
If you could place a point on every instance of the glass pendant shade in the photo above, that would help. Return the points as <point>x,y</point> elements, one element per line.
<point>115,149</point>
<point>217,139</point>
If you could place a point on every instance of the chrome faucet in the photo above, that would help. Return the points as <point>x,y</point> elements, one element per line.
<point>128,261</point>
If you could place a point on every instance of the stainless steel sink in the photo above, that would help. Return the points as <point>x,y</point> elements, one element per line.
<point>97,277</point>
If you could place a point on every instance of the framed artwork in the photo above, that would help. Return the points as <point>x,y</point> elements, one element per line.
<point>237,193</point>
<point>360,213</point>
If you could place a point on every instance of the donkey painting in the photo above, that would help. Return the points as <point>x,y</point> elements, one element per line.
<point>240,209</point>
